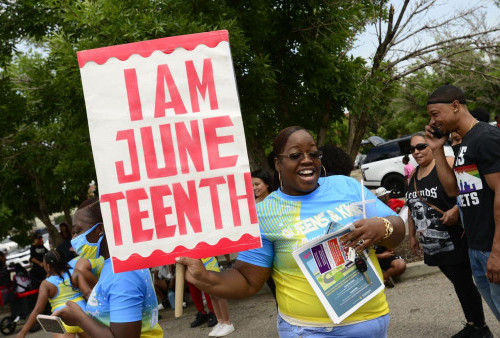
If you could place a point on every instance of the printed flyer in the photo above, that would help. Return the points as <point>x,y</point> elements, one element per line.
<point>338,283</point>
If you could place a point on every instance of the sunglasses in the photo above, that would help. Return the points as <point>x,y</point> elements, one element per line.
<point>419,147</point>
<point>315,155</point>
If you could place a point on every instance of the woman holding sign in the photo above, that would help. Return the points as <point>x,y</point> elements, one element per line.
<point>120,305</point>
<point>298,212</point>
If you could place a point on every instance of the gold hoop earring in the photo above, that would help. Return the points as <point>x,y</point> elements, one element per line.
<point>279,178</point>
<point>323,167</point>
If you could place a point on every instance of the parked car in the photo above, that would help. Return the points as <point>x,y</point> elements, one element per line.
<point>7,246</point>
<point>22,254</point>
<point>383,165</point>
<point>366,145</point>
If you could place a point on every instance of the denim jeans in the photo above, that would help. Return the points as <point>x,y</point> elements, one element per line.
<point>489,291</point>
<point>374,328</point>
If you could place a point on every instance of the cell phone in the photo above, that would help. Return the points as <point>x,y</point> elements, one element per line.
<point>437,132</point>
<point>51,324</point>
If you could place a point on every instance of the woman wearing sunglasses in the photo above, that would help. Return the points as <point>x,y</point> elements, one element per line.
<point>300,210</point>
<point>435,217</point>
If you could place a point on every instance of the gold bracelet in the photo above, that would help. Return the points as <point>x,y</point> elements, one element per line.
<point>388,228</point>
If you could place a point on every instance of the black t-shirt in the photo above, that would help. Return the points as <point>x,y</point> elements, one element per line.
<point>38,251</point>
<point>442,244</point>
<point>478,155</point>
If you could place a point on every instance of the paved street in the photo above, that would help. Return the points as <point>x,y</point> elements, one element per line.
<point>420,307</point>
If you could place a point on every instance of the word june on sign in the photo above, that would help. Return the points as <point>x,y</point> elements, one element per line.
<point>169,149</point>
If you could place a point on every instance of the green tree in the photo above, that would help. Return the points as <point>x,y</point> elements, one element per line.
<point>475,72</point>
<point>402,50</point>
<point>290,62</point>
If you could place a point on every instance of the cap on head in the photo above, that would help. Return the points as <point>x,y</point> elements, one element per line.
<point>36,235</point>
<point>447,94</point>
<point>382,192</point>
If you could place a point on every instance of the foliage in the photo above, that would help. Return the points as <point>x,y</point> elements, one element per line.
<point>402,51</point>
<point>476,73</point>
<point>290,63</point>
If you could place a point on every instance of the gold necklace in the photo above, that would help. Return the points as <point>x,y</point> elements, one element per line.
<point>474,121</point>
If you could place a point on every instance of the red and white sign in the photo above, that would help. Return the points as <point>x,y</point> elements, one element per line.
<point>169,150</point>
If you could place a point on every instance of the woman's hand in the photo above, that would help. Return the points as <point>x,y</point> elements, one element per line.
<point>367,232</point>
<point>71,314</point>
<point>195,270</point>
<point>451,216</point>
<point>414,245</point>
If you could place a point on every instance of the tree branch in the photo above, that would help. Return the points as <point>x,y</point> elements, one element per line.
<point>433,47</point>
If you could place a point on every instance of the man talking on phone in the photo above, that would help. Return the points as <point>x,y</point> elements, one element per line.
<point>475,178</point>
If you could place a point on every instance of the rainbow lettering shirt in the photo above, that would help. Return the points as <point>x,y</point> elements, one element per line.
<point>288,222</point>
<point>477,156</point>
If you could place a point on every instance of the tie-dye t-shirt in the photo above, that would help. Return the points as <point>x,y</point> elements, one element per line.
<point>287,222</point>
<point>125,297</point>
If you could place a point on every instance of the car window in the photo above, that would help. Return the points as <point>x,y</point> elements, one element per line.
<point>383,152</point>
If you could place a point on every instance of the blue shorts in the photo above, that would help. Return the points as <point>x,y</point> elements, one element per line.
<point>373,328</point>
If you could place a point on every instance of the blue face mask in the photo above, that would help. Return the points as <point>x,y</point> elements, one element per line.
<point>83,247</point>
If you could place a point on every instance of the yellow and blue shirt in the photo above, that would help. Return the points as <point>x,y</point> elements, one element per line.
<point>288,222</point>
<point>125,297</point>
<point>96,264</point>
<point>211,264</point>
<point>65,292</point>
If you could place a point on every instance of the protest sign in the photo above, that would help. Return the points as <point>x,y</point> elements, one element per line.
<point>169,150</point>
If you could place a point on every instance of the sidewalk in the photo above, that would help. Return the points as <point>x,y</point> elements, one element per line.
<point>421,305</point>
<point>418,269</point>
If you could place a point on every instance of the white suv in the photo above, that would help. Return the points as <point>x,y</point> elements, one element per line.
<point>383,165</point>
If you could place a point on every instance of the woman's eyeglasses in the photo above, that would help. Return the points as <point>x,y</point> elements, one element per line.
<point>315,155</point>
<point>419,147</point>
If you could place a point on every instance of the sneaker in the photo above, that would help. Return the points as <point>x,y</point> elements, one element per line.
<point>465,332</point>
<point>160,307</point>
<point>212,320</point>
<point>214,331</point>
<point>200,319</point>
<point>482,332</point>
<point>225,330</point>
<point>474,331</point>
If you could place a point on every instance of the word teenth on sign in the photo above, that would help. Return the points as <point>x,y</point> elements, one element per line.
<point>186,204</point>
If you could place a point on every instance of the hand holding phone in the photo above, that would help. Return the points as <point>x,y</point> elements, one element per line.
<point>51,324</point>
<point>437,132</point>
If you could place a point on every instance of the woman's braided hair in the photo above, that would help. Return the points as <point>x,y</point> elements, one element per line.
<point>57,261</point>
